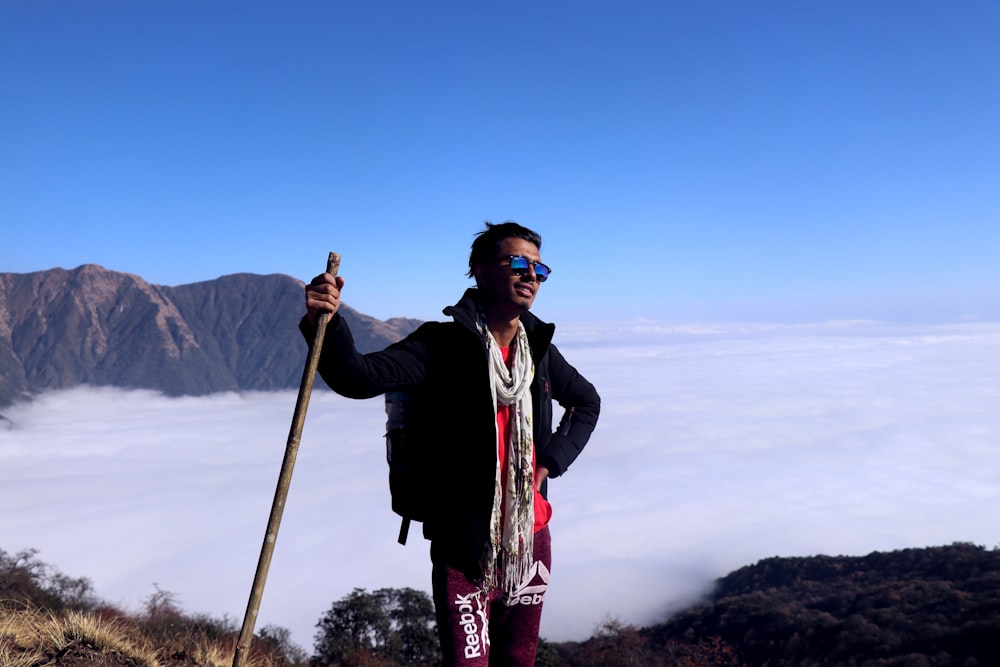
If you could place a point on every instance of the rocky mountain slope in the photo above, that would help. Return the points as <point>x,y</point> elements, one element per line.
<point>89,325</point>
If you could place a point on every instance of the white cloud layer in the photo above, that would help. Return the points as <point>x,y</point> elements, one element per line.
<point>718,446</point>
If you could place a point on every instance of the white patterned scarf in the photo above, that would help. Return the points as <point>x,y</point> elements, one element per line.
<point>509,554</point>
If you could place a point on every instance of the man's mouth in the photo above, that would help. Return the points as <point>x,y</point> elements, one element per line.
<point>525,290</point>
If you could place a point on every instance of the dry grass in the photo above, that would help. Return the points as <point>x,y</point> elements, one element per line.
<point>32,637</point>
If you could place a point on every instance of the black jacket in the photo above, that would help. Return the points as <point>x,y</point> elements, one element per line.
<point>443,366</point>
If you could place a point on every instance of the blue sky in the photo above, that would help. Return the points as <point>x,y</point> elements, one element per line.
<point>770,161</point>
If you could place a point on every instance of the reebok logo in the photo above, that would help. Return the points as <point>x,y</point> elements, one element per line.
<point>474,624</point>
<point>528,593</point>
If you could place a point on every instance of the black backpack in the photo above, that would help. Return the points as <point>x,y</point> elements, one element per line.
<point>407,469</point>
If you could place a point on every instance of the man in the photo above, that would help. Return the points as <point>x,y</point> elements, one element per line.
<point>481,391</point>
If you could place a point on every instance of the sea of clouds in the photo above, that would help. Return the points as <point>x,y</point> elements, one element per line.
<point>718,445</point>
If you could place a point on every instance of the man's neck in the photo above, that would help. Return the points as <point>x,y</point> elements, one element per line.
<point>503,327</point>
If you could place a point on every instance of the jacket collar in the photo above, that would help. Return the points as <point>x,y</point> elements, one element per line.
<point>539,333</point>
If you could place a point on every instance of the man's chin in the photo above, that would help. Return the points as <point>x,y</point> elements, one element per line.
<point>523,300</point>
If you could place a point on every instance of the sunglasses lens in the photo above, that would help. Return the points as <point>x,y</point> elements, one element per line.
<point>518,264</point>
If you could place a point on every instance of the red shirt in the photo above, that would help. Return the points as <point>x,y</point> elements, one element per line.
<point>543,511</point>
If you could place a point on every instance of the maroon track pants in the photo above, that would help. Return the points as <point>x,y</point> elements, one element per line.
<point>479,629</point>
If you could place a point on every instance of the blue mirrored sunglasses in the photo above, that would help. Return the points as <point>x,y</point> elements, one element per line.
<point>519,265</point>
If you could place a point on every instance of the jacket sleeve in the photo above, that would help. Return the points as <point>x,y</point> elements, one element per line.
<point>582,406</point>
<point>355,375</point>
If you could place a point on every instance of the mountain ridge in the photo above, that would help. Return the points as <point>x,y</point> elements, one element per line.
<point>61,328</point>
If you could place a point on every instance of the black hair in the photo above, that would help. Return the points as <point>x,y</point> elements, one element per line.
<point>487,242</point>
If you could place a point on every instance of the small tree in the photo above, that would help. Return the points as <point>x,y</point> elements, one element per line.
<point>25,578</point>
<point>281,639</point>
<point>547,655</point>
<point>411,614</point>
<point>388,627</point>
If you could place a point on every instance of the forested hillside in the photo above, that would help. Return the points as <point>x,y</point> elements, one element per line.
<point>932,607</point>
<point>915,607</point>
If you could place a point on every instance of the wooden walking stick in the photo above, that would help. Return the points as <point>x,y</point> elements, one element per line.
<point>284,479</point>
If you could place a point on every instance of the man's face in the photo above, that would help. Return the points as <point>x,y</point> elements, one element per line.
<point>501,287</point>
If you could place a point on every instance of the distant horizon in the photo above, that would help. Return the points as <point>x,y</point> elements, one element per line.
<point>754,312</point>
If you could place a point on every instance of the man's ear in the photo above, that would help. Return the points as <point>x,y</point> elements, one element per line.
<point>477,273</point>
